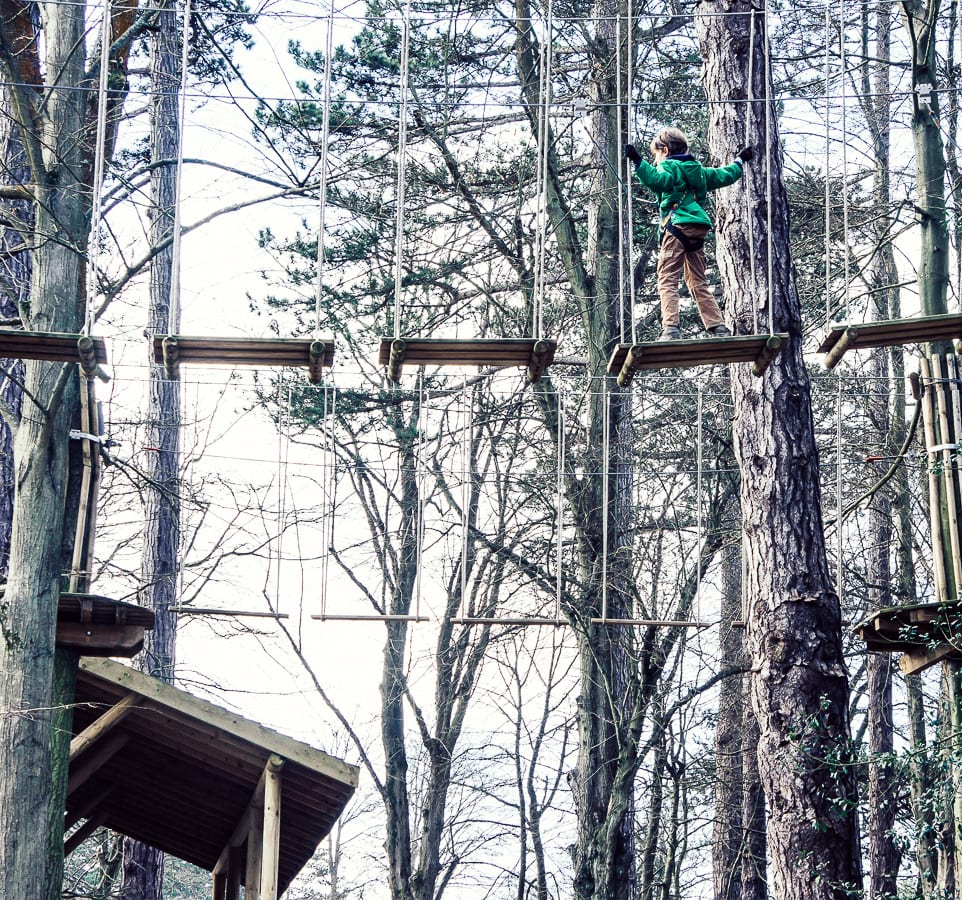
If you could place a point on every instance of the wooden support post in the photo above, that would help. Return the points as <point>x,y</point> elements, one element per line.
<point>87,351</point>
<point>235,866</point>
<point>171,358</point>
<point>767,354</point>
<point>255,847</point>
<point>928,424</point>
<point>270,858</point>
<point>539,356</point>
<point>97,729</point>
<point>218,886</point>
<point>396,360</point>
<point>315,365</point>
<point>846,340</point>
<point>630,365</point>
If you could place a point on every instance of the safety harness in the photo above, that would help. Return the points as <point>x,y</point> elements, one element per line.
<point>690,244</point>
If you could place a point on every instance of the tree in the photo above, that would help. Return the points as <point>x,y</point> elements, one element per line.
<point>799,684</point>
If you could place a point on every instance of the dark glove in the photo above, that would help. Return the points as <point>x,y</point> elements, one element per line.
<point>632,154</point>
<point>745,154</point>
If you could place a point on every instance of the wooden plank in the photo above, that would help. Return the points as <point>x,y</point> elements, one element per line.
<point>101,640</point>
<point>48,346</point>
<point>110,719</point>
<point>92,762</point>
<point>536,355</point>
<point>104,611</point>
<point>892,332</point>
<point>627,359</point>
<point>310,352</point>
<point>81,834</point>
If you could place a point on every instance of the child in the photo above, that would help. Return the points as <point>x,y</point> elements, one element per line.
<point>682,184</point>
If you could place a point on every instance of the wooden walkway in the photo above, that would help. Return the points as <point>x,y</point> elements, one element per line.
<point>842,337</point>
<point>627,359</point>
<point>170,350</point>
<point>533,355</point>
<point>923,633</point>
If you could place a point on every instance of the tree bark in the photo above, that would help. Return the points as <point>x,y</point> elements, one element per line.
<point>799,684</point>
<point>28,612</point>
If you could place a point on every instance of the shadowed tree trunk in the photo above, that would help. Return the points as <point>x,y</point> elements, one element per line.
<point>143,865</point>
<point>799,683</point>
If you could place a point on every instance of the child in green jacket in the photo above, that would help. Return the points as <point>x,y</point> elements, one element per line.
<point>682,184</point>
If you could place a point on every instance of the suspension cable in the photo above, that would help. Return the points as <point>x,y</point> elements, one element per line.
<point>401,167</point>
<point>322,184</point>
<point>173,308</point>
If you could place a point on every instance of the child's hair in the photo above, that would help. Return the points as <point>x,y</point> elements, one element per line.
<point>671,139</point>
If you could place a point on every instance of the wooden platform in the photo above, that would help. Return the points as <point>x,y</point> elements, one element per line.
<point>89,352</point>
<point>534,355</point>
<point>890,333</point>
<point>99,626</point>
<point>170,350</point>
<point>759,349</point>
<point>924,633</point>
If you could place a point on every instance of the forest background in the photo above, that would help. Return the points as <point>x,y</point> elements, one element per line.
<point>500,760</point>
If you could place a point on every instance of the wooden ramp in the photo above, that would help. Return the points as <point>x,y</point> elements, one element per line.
<point>759,349</point>
<point>923,633</point>
<point>534,355</point>
<point>890,333</point>
<point>50,346</point>
<point>170,350</point>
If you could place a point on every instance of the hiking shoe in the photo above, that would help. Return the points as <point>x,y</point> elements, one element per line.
<point>670,333</point>
<point>719,331</point>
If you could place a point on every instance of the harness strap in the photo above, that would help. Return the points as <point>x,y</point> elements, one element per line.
<point>690,244</point>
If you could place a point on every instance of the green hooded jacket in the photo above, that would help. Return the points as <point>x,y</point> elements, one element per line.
<point>682,184</point>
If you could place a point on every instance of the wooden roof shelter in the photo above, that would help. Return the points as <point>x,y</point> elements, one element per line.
<point>759,349</point>
<point>170,350</point>
<point>197,781</point>
<point>842,337</point>
<point>923,633</point>
<point>535,355</point>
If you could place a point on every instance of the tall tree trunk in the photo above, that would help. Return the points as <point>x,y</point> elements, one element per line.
<point>799,684</point>
<point>29,610</point>
<point>755,855</point>
<point>728,836</point>
<point>143,865</point>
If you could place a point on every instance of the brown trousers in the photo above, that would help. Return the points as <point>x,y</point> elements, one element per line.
<point>672,259</point>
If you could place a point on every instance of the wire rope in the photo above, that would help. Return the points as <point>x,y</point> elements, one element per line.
<point>327,515</point>
<point>840,506</point>
<point>322,185</point>
<point>629,183</point>
<point>768,172</point>
<point>420,474</point>
<point>401,166</point>
<point>173,308</point>
<point>750,98</point>
<point>625,240</point>
<point>99,166</point>
<point>541,180</point>
<point>699,512</point>
<point>467,411</point>
<point>828,148</point>
<point>283,453</point>
<point>605,467</point>
<point>560,498</point>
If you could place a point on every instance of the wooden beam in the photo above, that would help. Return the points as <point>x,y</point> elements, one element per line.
<point>541,354</point>
<point>235,867</point>
<point>170,352</point>
<point>81,834</point>
<point>86,810</point>
<point>272,828</point>
<point>630,365</point>
<point>917,661</point>
<point>97,729</point>
<point>218,886</point>
<point>396,359</point>
<point>97,639</point>
<point>94,761</point>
